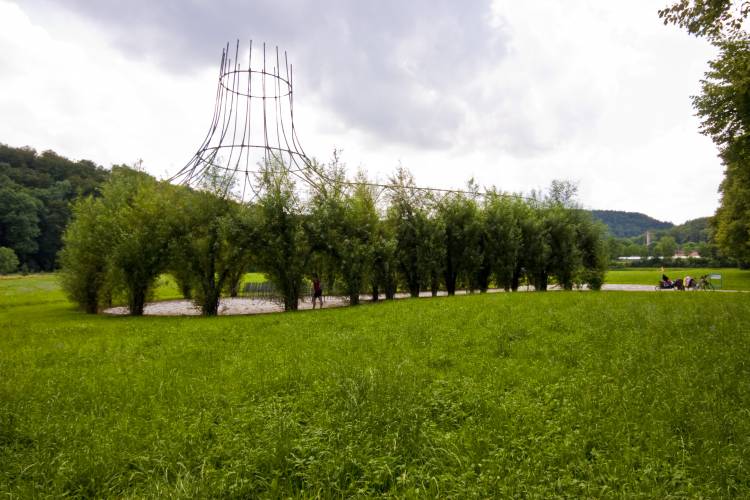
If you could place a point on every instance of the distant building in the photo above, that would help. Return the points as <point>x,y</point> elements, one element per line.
<point>683,255</point>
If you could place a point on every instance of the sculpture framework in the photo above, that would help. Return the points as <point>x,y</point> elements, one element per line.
<point>252,125</point>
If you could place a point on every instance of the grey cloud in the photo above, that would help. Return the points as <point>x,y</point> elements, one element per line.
<point>395,69</point>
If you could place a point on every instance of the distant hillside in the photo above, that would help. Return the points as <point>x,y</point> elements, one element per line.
<point>629,224</point>
<point>35,192</point>
<point>696,230</point>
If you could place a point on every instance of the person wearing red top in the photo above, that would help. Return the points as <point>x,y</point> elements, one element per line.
<point>317,291</point>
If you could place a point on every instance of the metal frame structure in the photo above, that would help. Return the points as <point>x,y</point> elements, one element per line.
<point>253,124</point>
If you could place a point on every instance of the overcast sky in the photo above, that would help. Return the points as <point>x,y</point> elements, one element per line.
<point>515,94</point>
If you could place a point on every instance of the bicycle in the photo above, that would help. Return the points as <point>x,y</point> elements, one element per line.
<point>705,284</point>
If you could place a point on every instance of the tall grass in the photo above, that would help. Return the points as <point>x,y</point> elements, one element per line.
<point>558,394</point>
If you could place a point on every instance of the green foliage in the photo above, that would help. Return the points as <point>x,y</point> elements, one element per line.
<point>462,230</point>
<point>665,247</point>
<point>408,219</point>
<point>724,107</point>
<point>325,225</point>
<point>559,395</point>
<point>629,224</point>
<point>714,19</point>
<point>141,214</point>
<point>84,258</point>
<point>19,218</point>
<point>283,245</point>
<point>119,243</point>
<point>593,248</point>
<point>8,260</point>
<point>342,230</point>
<point>563,254</point>
<point>216,241</point>
<point>357,252</point>
<point>432,251</point>
<point>536,250</point>
<point>502,233</point>
<point>692,231</point>
<point>384,261</point>
<point>37,210</point>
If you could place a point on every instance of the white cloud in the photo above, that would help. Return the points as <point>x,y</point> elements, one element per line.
<point>70,92</point>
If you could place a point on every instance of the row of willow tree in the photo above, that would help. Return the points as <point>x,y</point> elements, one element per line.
<point>356,237</point>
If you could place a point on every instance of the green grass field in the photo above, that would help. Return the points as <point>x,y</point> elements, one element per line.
<point>733,279</point>
<point>552,394</point>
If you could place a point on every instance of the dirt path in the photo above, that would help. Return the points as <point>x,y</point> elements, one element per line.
<point>243,306</point>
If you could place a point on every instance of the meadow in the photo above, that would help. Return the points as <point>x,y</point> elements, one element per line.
<point>588,394</point>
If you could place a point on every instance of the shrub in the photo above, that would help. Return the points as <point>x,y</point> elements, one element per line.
<point>84,257</point>
<point>8,260</point>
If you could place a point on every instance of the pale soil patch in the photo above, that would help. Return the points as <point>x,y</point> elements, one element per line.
<point>227,306</point>
<point>242,305</point>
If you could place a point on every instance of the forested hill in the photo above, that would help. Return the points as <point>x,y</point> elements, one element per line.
<point>628,224</point>
<point>35,192</point>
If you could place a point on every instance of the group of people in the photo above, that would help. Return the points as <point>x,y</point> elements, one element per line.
<point>681,284</point>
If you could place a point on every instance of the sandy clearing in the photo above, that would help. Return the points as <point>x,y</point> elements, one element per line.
<point>245,306</point>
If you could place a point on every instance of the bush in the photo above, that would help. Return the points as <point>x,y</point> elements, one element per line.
<point>83,259</point>
<point>8,260</point>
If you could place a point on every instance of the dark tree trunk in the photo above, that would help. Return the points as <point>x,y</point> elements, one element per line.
<point>92,305</point>
<point>540,282</point>
<point>450,283</point>
<point>353,287</point>
<point>515,280</point>
<point>434,286</point>
<point>390,291</point>
<point>483,278</point>
<point>414,289</point>
<point>210,306</point>
<point>375,293</point>
<point>291,299</point>
<point>290,303</point>
<point>92,300</point>
<point>234,287</point>
<point>137,301</point>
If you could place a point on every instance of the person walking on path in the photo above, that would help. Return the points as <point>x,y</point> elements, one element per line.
<point>317,291</point>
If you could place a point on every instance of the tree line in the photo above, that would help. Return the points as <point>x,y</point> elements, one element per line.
<point>629,224</point>
<point>35,194</point>
<point>355,237</point>
<point>696,235</point>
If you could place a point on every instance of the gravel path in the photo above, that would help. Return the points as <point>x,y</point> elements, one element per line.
<point>241,306</point>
